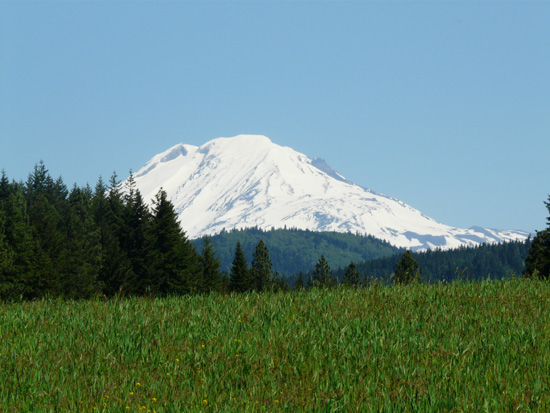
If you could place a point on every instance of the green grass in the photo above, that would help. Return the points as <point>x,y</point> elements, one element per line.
<point>457,347</point>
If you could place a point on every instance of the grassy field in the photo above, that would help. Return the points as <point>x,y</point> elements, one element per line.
<point>457,347</point>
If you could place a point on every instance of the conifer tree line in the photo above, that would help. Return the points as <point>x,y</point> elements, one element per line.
<point>82,242</point>
<point>537,263</point>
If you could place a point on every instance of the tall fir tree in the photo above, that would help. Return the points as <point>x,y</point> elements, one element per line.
<point>351,276</point>
<point>299,282</point>
<point>210,267</point>
<point>5,187</point>
<point>44,220</point>
<point>323,276</point>
<point>407,269</point>
<point>175,261</point>
<point>81,256</point>
<point>537,263</point>
<point>261,268</point>
<point>7,258</point>
<point>17,277</point>
<point>39,181</point>
<point>115,274</point>
<point>136,236</point>
<point>240,274</point>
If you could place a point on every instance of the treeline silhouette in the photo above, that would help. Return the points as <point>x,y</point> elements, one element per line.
<point>83,242</point>
<point>293,250</point>
<point>494,261</point>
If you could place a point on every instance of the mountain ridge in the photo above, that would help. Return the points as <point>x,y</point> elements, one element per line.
<point>249,181</point>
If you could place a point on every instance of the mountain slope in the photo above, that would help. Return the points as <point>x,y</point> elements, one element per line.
<point>248,181</point>
<point>298,250</point>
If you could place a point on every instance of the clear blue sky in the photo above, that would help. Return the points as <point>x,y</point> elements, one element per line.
<point>444,105</point>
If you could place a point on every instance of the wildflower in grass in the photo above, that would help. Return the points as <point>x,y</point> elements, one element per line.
<point>154,399</point>
<point>131,393</point>
<point>167,374</point>
<point>177,360</point>
<point>127,407</point>
<point>138,384</point>
<point>203,346</point>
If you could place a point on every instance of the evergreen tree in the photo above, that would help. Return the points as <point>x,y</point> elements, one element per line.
<point>351,276</point>
<point>210,267</point>
<point>116,274</point>
<point>81,256</point>
<point>175,261</point>
<point>299,282</point>
<point>48,238</point>
<point>16,276</point>
<point>240,274</point>
<point>260,270</point>
<point>5,187</point>
<point>47,246</point>
<point>322,275</point>
<point>407,269</point>
<point>225,282</point>
<point>537,263</point>
<point>136,237</point>
<point>38,181</point>
<point>7,258</point>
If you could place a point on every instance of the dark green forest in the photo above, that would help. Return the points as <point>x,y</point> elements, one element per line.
<point>294,250</point>
<point>106,241</point>
<point>83,242</point>
<point>495,261</point>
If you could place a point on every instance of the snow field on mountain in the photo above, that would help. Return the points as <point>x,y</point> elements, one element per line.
<point>248,181</point>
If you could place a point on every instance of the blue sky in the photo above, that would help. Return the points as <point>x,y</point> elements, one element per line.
<point>444,105</point>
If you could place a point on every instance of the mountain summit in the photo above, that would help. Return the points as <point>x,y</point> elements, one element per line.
<point>249,181</point>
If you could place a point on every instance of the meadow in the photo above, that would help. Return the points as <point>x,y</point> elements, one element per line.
<point>464,346</point>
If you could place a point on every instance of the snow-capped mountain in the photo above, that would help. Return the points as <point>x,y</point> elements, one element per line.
<point>249,181</point>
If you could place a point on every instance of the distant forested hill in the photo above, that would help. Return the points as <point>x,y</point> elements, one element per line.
<point>294,250</point>
<point>474,263</point>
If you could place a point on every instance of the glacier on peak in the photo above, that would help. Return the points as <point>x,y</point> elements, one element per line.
<point>249,181</point>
